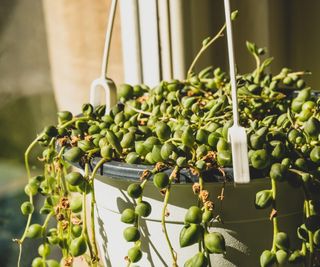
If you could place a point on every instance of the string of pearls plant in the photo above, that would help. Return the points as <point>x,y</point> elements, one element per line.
<point>173,126</point>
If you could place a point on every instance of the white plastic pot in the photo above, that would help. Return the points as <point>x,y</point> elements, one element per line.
<point>247,231</point>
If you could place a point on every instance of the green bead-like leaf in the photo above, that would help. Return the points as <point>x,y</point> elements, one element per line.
<point>131,234</point>
<point>161,180</point>
<point>78,246</point>
<point>215,243</point>
<point>282,241</point>
<point>114,141</point>
<point>190,234</point>
<point>128,216</point>
<point>134,190</point>
<point>282,256</point>
<point>73,154</point>
<point>267,258</point>
<point>134,254</point>
<point>234,15</point>
<point>187,137</point>
<point>193,215</point>
<point>263,199</point>
<point>198,260</point>
<point>252,48</point>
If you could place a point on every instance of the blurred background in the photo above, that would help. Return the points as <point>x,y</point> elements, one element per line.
<point>51,50</point>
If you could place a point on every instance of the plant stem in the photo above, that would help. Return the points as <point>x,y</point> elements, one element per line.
<point>203,48</point>
<point>73,121</point>
<point>84,215</point>
<point>84,229</point>
<point>163,218</point>
<point>20,253</point>
<point>310,234</point>
<point>60,172</point>
<point>304,248</point>
<point>222,117</point>
<point>201,182</point>
<point>93,236</point>
<point>62,190</point>
<point>139,110</point>
<point>297,73</point>
<point>274,218</point>
<point>205,225</point>
<point>64,250</point>
<point>173,139</point>
<point>257,59</point>
<point>199,205</point>
<point>275,231</point>
<point>44,226</point>
<point>149,113</point>
<point>27,152</point>
<point>92,151</point>
<point>93,201</point>
<point>208,257</point>
<point>96,168</point>
<point>28,223</point>
<point>26,162</point>
<point>142,185</point>
<point>63,181</point>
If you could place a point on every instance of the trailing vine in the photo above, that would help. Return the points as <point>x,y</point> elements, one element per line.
<point>180,126</point>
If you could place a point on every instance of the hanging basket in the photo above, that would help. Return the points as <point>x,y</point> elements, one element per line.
<point>247,231</point>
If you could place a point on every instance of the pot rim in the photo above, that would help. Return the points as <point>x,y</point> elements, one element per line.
<point>132,172</point>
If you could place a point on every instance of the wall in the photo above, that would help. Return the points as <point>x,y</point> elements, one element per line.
<point>26,99</point>
<point>287,28</point>
<point>26,105</point>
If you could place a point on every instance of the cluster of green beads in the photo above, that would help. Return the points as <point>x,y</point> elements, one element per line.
<point>181,124</point>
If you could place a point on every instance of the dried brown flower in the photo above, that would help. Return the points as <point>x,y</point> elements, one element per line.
<point>163,191</point>
<point>204,195</point>
<point>41,159</point>
<point>145,174</point>
<point>209,205</point>
<point>196,188</point>
<point>76,220</point>
<point>273,214</point>
<point>190,93</point>
<point>167,213</point>
<point>221,197</point>
<point>143,98</point>
<point>174,173</point>
<point>64,203</point>
<point>57,209</point>
<point>49,168</point>
<point>88,137</point>
<point>202,103</point>
<point>160,166</point>
<point>64,224</point>
<point>57,166</point>
<point>194,171</point>
<point>62,141</point>
<point>68,261</point>
<point>222,172</point>
<point>74,140</point>
<point>60,217</point>
<point>211,156</point>
<point>208,94</point>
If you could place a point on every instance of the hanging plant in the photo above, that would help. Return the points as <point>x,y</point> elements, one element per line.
<point>179,125</point>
